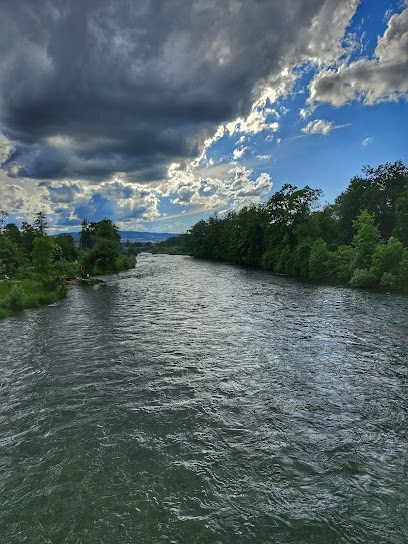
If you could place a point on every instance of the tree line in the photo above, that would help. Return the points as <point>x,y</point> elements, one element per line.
<point>38,264</point>
<point>360,240</point>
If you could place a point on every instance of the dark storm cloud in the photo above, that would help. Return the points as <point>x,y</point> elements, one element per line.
<point>128,85</point>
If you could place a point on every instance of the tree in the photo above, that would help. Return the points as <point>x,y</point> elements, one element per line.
<point>28,235</point>
<point>387,257</point>
<point>85,240</point>
<point>104,239</point>
<point>11,255</point>
<point>40,222</point>
<point>401,217</point>
<point>366,239</point>
<point>250,238</point>
<point>319,260</point>
<point>67,245</point>
<point>377,193</point>
<point>12,232</point>
<point>291,205</point>
<point>42,255</point>
<point>102,257</point>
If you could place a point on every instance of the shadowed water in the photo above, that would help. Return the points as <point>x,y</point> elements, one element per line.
<point>192,402</point>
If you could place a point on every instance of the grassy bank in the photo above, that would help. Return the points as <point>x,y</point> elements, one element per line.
<point>27,293</point>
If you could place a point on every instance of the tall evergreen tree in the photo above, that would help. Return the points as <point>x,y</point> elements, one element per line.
<point>40,222</point>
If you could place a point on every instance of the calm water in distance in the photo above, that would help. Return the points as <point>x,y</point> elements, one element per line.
<point>193,402</point>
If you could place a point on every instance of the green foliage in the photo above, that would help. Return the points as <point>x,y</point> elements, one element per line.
<point>94,231</point>
<point>361,240</point>
<point>28,235</point>
<point>57,253</point>
<point>403,270</point>
<point>389,280</point>
<point>401,217</point>
<point>12,232</point>
<point>43,263</point>
<point>11,255</point>
<point>378,193</point>
<point>102,258</point>
<point>387,257</point>
<point>363,277</point>
<point>290,205</point>
<point>66,269</point>
<point>28,293</point>
<point>287,235</point>
<point>43,254</point>
<point>342,264</point>
<point>319,261</point>
<point>125,262</point>
<point>40,223</point>
<point>366,239</point>
<point>67,245</point>
<point>15,299</point>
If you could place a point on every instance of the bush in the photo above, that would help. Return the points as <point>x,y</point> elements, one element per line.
<point>68,269</point>
<point>389,279</point>
<point>268,260</point>
<point>344,257</point>
<point>15,298</point>
<point>4,313</point>
<point>319,260</point>
<point>387,257</point>
<point>363,277</point>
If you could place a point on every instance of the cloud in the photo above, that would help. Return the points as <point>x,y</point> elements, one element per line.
<point>367,141</point>
<point>318,126</point>
<point>216,188</point>
<point>111,107</point>
<point>304,113</point>
<point>238,152</point>
<point>384,78</point>
<point>89,89</point>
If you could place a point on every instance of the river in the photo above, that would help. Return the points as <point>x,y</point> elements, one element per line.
<point>191,402</point>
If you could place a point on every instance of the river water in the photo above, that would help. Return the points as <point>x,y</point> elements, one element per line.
<point>194,402</point>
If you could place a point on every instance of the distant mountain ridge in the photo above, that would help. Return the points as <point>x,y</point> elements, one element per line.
<point>132,235</point>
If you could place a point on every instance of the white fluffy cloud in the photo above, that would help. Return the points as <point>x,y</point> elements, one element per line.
<point>318,126</point>
<point>239,152</point>
<point>235,187</point>
<point>382,78</point>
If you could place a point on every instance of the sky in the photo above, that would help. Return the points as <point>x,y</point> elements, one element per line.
<point>159,113</point>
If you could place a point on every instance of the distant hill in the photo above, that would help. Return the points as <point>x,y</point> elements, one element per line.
<point>140,236</point>
<point>133,236</point>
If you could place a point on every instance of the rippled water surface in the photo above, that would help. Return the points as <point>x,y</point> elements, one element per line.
<point>192,402</point>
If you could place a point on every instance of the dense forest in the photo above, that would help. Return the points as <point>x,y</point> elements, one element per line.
<point>360,240</point>
<point>35,267</point>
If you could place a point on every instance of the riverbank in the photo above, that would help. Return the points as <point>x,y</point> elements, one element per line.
<point>38,268</point>
<point>19,295</point>
<point>22,294</point>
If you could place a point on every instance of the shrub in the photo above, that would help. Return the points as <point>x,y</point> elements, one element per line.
<point>268,259</point>
<point>68,269</point>
<point>15,298</point>
<point>387,257</point>
<point>319,260</point>
<point>389,279</point>
<point>362,277</point>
